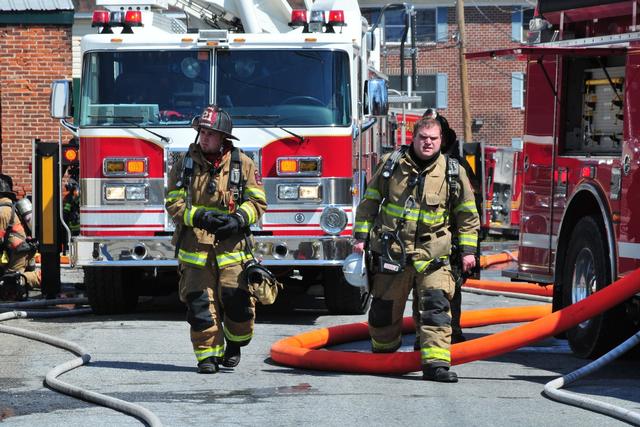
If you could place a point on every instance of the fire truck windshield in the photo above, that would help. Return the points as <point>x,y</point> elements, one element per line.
<point>299,87</point>
<point>144,88</point>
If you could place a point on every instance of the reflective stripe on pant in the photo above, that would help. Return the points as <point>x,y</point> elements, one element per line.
<point>201,290</point>
<point>239,306</point>
<point>198,291</point>
<point>389,292</point>
<point>435,291</point>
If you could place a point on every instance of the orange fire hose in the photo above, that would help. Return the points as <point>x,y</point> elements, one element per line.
<point>299,351</point>
<point>487,260</point>
<point>517,287</point>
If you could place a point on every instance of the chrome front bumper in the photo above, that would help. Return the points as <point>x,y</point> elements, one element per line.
<point>159,252</point>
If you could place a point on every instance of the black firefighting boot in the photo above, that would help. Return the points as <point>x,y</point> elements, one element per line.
<point>439,374</point>
<point>208,366</point>
<point>231,355</point>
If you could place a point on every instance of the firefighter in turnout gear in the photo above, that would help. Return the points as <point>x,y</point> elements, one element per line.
<point>18,271</point>
<point>214,194</point>
<point>404,220</point>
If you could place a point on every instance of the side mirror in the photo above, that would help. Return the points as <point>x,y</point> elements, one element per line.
<point>371,40</point>
<point>61,102</point>
<point>377,97</point>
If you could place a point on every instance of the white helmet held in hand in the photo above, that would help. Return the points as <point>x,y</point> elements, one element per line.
<point>355,270</point>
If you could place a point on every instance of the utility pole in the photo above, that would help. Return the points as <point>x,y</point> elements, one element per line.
<point>464,82</point>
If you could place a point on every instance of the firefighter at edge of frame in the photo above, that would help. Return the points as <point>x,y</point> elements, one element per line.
<point>403,220</point>
<point>214,194</point>
<point>17,263</point>
<point>451,148</point>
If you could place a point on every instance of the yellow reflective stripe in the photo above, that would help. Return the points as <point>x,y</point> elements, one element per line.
<point>420,266</point>
<point>362,227</point>
<point>228,258</point>
<point>247,208</point>
<point>203,353</point>
<point>432,218</point>
<point>377,345</point>
<point>430,353</point>
<point>468,239</point>
<point>174,195</point>
<point>256,193</point>
<point>469,206</point>
<point>195,258</point>
<point>188,216</point>
<point>397,211</point>
<point>372,194</point>
<point>236,338</point>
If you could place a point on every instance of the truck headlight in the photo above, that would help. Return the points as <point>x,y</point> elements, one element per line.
<point>287,192</point>
<point>309,192</point>
<point>114,192</point>
<point>333,220</point>
<point>122,192</point>
<point>136,192</point>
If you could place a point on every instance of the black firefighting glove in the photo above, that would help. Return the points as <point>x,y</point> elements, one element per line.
<point>233,224</point>
<point>13,287</point>
<point>208,220</point>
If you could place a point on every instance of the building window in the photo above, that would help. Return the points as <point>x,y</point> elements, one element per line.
<point>432,89</point>
<point>428,27</point>
<point>517,90</point>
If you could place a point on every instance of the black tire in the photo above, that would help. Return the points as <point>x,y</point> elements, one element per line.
<point>107,292</point>
<point>342,298</point>
<point>586,271</point>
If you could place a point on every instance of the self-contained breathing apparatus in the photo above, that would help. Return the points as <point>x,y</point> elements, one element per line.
<point>386,263</point>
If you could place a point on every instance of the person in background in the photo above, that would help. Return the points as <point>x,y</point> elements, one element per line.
<point>17,265</point>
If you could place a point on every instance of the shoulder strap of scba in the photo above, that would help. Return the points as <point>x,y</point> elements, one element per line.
<point>236,181</point>
<point>453,166</point>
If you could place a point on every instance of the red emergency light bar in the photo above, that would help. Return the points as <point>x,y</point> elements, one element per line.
<point>107,20</point>
<point>336,18</point>
<point>317,21</point>
<point>298,18</point>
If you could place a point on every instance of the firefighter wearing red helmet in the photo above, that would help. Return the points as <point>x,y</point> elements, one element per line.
<point>16,262</point>
<point>214,194</point>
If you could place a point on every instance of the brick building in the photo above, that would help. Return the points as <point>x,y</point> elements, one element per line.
<point>35,46</point>
<point>496,87</point>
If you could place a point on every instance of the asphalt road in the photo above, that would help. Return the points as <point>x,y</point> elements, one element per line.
<point>146,358</point>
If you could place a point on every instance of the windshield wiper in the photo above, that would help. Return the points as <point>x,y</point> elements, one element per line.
<point>265,118</point>
<point>132,120</point>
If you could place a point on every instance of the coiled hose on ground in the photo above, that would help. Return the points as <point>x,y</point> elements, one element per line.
<point>51,378</point>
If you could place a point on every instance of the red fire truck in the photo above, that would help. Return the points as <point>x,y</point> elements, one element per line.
<point>580,211</point>
<point>306,106</point>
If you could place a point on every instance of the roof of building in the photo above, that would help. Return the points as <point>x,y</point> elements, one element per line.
<point>35,5</point>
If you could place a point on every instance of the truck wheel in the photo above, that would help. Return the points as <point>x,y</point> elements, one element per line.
<point>107,292</point>
<point>342,298</point>
<point>586,271</point>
